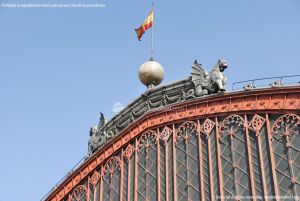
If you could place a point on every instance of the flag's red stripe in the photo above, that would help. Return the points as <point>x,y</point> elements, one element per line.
<point>147,26</point>
<point>140,31</point>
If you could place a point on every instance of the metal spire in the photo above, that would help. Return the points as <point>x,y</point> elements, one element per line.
<point>152,36</point>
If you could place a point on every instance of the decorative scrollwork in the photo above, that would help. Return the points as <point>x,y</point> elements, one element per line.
<point>112,165</point>
<point>154,104</point>
<point>147,139</point>
<point>79,193</point>
<point>95,178</point>
<point>207,127</point>
<point>286,125</point>
<point>123,124</point>
<point>231,125</point>
<point>173,99</point>
<point>186,130</point>
<point>111,133</point>
<point>257,123</point>
<point>128,151</point>
<point>137,112</point>
<point>165,134</point>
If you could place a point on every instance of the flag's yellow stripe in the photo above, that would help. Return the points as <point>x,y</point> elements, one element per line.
<point>149,19</point>
<point>148,22</point>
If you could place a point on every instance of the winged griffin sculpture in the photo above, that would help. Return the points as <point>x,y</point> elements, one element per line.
<point>97,136</point>
<point>208,83</point>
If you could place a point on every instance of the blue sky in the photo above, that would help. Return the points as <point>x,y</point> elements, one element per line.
<point>60,67</point>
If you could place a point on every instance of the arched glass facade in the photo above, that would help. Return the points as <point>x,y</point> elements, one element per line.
<point>203,159</point>
<point>230,148</point>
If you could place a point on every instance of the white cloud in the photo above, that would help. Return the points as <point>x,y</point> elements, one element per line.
<point>118,107</point>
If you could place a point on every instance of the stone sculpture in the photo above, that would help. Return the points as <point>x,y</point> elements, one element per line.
<point>201,83</point>
<point>97,136</point>
<point>208,83</point>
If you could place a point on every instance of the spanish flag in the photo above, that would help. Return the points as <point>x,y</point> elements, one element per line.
<point>145,26</point>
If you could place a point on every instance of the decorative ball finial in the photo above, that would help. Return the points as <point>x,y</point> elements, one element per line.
<point>151,73</point>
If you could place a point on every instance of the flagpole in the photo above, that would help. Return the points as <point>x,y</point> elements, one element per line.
<point>152,35</point>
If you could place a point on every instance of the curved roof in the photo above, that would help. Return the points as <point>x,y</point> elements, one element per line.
<point>280,99</point>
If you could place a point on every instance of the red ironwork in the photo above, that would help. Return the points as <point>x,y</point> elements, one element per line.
<point>272,157</point>
<point>158,165</point>
<point>112,165</point>
<point>207,127</point>
<point>101,184</point>
<point>249,159</point>
<point>129,175</point>
<point>174,164</point>
<point>129,151</point>
<point>122,175</point>
<point>88,189</point>
<point>218,136</point>
<point>288,124</point>
<point>165,134</point>
<point>167,169</point>
<point>185,131</point>
<point>146,144</point>
<point>256,125</point>
<point>231,125</point>
<point>135,171</point>
<point>149,138</point>
<point>265,102</point>
<point>79,193</point>
<point>200,160</point>
<point>95,178</point>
